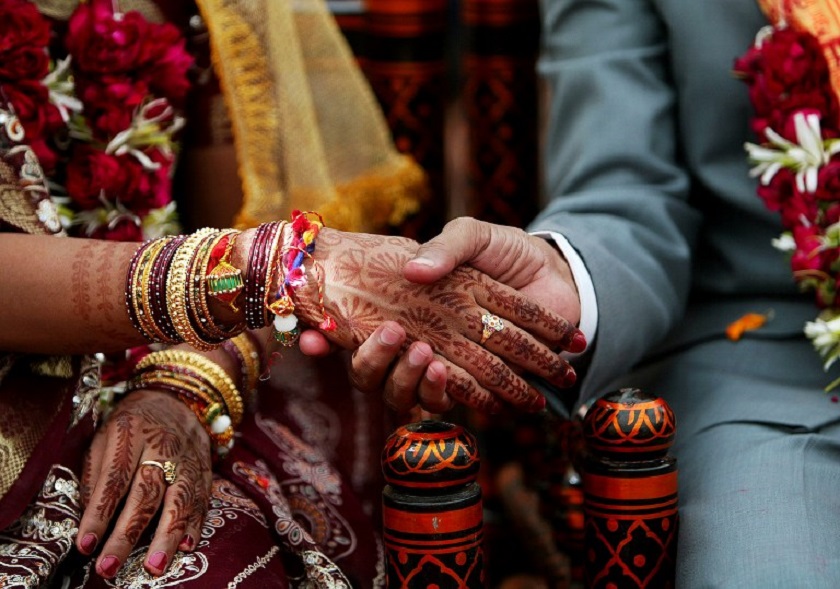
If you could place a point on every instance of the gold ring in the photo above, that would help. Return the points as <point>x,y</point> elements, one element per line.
<point>167,467</point>
<point>492,324</point>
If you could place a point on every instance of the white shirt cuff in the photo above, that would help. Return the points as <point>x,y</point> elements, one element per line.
<point>586,291</point>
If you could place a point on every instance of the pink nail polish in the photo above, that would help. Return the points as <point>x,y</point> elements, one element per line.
<point>88,543</point>
<point>187,542</point>
<point>109,566</point>
<point>158,560</point>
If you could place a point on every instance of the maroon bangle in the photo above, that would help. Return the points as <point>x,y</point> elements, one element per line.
<point>256,276</point>
<point>157,289</point>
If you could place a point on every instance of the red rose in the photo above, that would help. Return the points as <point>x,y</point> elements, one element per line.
<point>101,43</point>
<point>28,62</point>
<point>807,256</point>
<point>110,103</point>
<point>21,25</point>
<point>828,181</point>
<point>168,63</point>
<point>800,208</point>
<point>779,191</point>
<point>91,174</point>
<point>787,73</point>
<point>144,189</point>
<point>831,214</point>
<point>30,100</point>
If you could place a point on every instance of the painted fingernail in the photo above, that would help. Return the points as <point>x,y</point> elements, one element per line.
<point>578,343</point>
<point>109,566</point>
<point>570,379</point>
<point>388,336</point>
<point>158,560</point>
<point>539,404</point>
<point>88,543</point>
<point>187,543</point>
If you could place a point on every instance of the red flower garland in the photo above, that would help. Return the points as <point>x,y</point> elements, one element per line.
<point>797,121</point>
<point>100,113</point>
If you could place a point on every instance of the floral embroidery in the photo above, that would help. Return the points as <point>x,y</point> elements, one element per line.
<point>86,397</point>
<point>227,502</point>
<point>36,543</point>
<point>184,567</point>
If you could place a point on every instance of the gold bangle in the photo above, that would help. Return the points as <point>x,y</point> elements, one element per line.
<point>176,291</point>
<point>251,358</point>
<point>190,384</point>
<point>205,368</point>
<point>137,292</point>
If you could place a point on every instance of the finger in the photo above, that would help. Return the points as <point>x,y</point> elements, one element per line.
<point>493,375</point>
<point>532,317</point>
<point>372,360</point>
<point>141,504</point>
<point>313,343</point>
<point>184,507</point>
<point>119,461</point>
<point>202,504</point>
<point>461,240</point>
<point>432,391</point>
<point>402,385</point>
<point>517,347</point>
<point>462,387</point>
<point>87,540</point>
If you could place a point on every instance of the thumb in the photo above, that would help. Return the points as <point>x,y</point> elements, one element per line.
<point>461,240</point>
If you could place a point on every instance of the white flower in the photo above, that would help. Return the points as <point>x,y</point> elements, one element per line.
<point>59,82</point>
<point>161,221</point>
<point>785,242</point>
<point>148,131</point>
<point>805,157</point>
<point>824,334</point>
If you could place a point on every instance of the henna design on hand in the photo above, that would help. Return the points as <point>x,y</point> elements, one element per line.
<point>364,285</point>
<point>150,488</point>
<point>122,466</point>
<point>151,425</point>
<point>363,317</point>
<point>191,496</point>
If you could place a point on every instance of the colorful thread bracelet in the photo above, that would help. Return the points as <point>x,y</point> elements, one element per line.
<point>292,275</point>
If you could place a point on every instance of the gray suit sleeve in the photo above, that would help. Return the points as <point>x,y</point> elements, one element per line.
<point>616,188</point>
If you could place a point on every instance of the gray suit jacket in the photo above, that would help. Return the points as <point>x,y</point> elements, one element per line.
<point>648,179</point>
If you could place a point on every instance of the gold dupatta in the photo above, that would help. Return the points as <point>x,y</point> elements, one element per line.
<point>308,132</point>
<point>820,18</point>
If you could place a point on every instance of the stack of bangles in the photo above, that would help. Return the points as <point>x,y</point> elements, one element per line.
<point>199,383</point>
<point>171,279</point>
<point>169,286</point>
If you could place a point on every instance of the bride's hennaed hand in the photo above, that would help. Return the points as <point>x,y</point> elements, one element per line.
<point>363,286</point>
<point>145,426</point>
